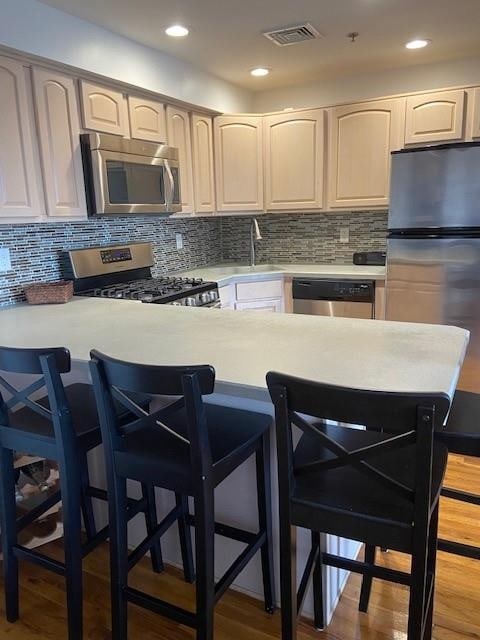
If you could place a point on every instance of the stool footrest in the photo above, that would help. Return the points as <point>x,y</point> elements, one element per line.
<point>225,530</point>
<point>462,496</point>
<point>98,538</point>
<point>39,558</point>
<point>375,571</point>
<point>182,616</point>
<point>148,542</point>
<point>39,510</point>
<point>459,549</point>
<point>239,564</point>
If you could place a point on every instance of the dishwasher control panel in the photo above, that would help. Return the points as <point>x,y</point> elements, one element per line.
<point>321,289</point>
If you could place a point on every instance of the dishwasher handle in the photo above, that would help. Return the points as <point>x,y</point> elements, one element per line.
<point>323,289</point>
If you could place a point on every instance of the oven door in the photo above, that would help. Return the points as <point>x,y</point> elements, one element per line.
<point>127,183</point>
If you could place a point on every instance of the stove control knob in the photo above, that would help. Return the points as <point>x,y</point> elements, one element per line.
<point>190,302</point>
<point>205,297</point>
<point>213,295</point>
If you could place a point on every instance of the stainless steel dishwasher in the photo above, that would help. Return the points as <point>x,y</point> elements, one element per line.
<point>336,298</point>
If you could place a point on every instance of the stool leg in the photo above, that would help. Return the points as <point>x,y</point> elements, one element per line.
<point>151,521</point>
<point>317,582</point>
<point>288,578</point>
<point>118,555</point>
<point>204,556</point>
<point>185,538</point>
<point>431,569</point>
<point>72,524</point>
<point>8,524</point>
<point>367,580</point>
<point>262,459</point>
<point>87,504</point>
<point>416,604</point>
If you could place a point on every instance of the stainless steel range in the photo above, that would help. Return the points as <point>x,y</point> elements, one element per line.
<point>124,272</point>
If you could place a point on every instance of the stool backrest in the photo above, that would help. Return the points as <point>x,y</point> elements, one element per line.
<point>48,364</point>
<point>408,418</point>
<point>113,379</point>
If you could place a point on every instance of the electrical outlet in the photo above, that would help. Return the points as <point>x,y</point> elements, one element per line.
<point>344,234</point>
<point>179,240</point>
<point>5,262</point>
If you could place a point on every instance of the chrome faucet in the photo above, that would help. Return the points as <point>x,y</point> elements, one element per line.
<point>254,236</point>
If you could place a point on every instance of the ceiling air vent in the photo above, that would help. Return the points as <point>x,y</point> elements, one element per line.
<point>292,35</point>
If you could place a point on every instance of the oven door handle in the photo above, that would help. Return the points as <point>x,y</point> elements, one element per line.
<point>171,186</point>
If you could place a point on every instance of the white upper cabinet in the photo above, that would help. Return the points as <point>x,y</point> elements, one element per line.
<point>435,117</point>
<point>203,172</point>
<point>59,133</point>
<point>178,135</point>
<point>294,159</point>
<point>147,120</point>
<point>476,114</point>
<point>238,143</point>
<point>104,109</point>
<point>361,139</point>
<point>20,179</point>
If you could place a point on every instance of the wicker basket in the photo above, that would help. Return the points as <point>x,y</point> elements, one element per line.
<point>49,292</point>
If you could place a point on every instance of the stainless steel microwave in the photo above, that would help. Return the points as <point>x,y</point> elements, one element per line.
<point>129,176</point>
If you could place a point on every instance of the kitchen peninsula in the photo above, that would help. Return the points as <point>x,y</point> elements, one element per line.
<point>242,347</point>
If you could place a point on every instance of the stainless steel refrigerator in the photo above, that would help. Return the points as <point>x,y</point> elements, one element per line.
<point>433,248</point>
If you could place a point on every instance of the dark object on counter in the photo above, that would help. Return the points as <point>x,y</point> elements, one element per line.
<point>61,426</point>
<point>57,292</point>
<point>370,258</point>
<point>188,447</point>
<point>380,486</point>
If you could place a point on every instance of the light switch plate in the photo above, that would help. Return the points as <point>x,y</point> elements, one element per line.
<point>344,234</point>
<point>179,240</point>
<point>5,262</point>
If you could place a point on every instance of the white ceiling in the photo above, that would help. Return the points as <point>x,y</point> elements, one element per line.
<point>225,35</point>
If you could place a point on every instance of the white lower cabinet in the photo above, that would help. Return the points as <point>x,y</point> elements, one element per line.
<point>260,295</point>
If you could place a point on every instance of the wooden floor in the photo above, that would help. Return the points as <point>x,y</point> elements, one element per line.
<point>457,614</point>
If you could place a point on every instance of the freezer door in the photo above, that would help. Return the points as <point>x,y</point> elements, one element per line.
<point>438,281</point>
<point>435,188</point>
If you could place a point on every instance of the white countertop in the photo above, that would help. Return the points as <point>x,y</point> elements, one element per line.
<point>242,346</point>
<point>225,273</point>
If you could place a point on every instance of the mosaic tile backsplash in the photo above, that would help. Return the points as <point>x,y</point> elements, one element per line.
<point>304,238</point>
<point>38,250</point>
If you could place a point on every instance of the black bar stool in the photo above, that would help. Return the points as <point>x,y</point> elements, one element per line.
<point>63,426</point>
<point>380,486</point>
<point>188,447</point>
<point>461,435</point>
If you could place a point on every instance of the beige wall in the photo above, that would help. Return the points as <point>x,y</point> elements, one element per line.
<point>370,85</point>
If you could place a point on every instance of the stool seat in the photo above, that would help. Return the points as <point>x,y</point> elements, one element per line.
<point>83,408</point>
<point>346,494</point>
<point>164,459</point>
<point>462,431</point>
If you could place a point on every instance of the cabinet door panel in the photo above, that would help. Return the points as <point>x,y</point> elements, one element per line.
<point>178,134</point>
<point>203,172</point>
<point>20,180</point>
<point>435,117</point>
<point>294,151</point>
<point>361,139</point>
<point>239,163</point>
<point>147,120</point>
<point>59,131</point>
<point>103,109</point>
<point>260,305</point>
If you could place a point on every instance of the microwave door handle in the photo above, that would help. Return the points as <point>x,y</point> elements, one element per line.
<point>171,186</point>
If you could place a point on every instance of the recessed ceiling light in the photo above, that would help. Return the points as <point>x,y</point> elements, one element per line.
<point>417,44</point>
<point>260,71</point>
<point>176,31</point>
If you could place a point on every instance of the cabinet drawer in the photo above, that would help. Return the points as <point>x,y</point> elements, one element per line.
<point>259,290</point>
<point>274,306</point>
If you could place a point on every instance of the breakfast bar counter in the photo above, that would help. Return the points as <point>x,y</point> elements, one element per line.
<point>243,347</point>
